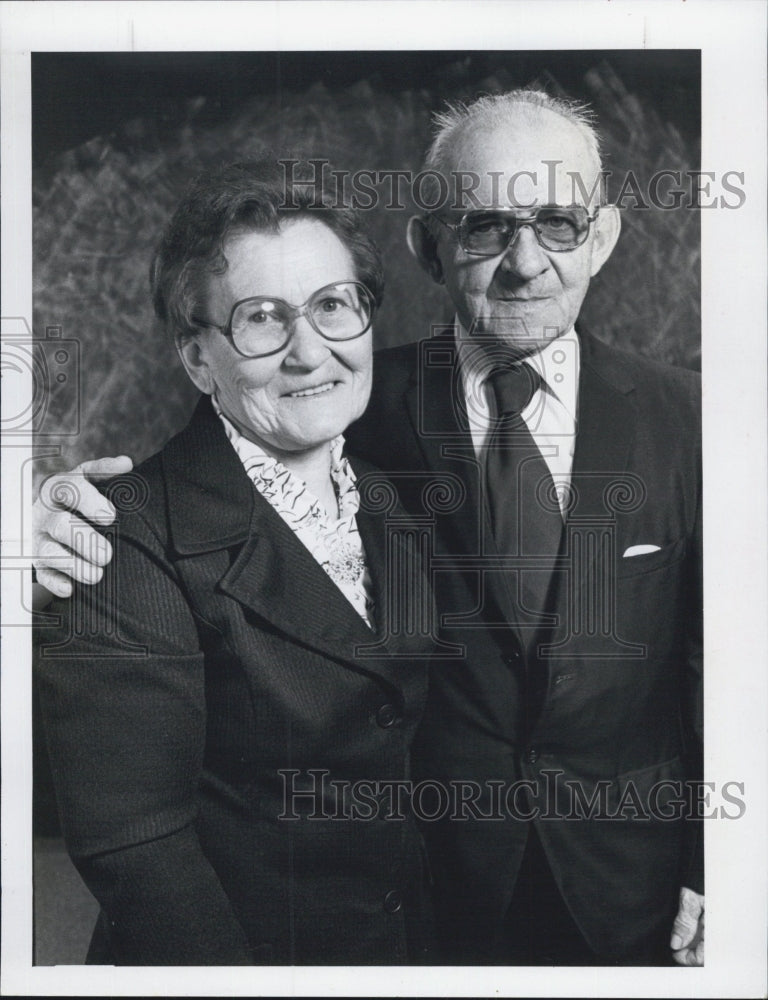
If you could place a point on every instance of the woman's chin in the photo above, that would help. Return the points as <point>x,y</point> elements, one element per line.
<point>307,440</point>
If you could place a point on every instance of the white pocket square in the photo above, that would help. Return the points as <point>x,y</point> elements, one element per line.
<point>640,550</point>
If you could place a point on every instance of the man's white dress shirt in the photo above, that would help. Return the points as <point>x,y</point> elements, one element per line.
<point>551,414</point>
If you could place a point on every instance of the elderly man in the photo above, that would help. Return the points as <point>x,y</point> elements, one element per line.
<point>566,555</point>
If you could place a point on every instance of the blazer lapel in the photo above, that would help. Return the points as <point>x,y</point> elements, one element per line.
<point>275,576</point>
<point>213,505</point>
<point>604,441</point>
<point>437,411</point>
<point>210,498</point>
<point>605,429</point>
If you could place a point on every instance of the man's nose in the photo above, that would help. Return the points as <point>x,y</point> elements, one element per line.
<point>307,348</point>
<point>524,257</point>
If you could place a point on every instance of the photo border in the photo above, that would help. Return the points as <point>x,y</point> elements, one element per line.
<point>731,38</point>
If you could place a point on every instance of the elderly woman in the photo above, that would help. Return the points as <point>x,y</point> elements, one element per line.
<point>226,709</point>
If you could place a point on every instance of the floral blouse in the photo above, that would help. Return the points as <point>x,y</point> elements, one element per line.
<point>334,542</point>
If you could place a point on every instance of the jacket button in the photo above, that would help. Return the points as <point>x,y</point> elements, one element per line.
<point>393,901</point>
<point>386,716</point>
<point>532,756</point>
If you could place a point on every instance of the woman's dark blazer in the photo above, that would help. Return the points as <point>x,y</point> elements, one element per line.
<point>199,705</point>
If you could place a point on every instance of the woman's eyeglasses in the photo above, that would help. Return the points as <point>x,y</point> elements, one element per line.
<point>262,324</point>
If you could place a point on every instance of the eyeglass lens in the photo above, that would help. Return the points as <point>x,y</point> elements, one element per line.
<point>556,228</point>
<point>263,324</point>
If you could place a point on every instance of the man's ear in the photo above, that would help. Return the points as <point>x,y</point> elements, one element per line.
<point>423,245</point>
<point>193,357</point>
<point>607,229</point>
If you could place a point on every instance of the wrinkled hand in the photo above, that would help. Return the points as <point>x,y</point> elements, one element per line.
<point>66,547</point>
<point>687,941</point>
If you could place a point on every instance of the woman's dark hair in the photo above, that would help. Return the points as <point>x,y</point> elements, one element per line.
<point>253,195</point>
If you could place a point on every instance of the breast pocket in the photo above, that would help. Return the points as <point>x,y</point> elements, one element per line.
<point>649,562</point>
<point>651,597</point>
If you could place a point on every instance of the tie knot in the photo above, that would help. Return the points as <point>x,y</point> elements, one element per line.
<point>514,388</point>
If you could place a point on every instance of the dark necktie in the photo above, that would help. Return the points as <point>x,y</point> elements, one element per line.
<point>525,516</point>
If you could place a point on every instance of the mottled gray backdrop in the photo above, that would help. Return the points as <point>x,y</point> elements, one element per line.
<point>117,136</point>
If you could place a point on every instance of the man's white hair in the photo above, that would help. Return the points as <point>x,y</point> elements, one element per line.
<point>492,110</point>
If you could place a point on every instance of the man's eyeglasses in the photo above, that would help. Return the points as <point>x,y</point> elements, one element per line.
<point>488,232</point>
<point>263,325</point>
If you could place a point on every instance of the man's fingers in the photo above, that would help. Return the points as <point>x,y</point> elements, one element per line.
<point>54,556</point>
<point>71,491</point>
<point>55,582</point>
<point>687,941</point>
<point>74,491</point>
<point>99,468</point>
<point>682,956</point>
<point>687,920</point>
<point>693,957</point>
<point>63,541</point>
<point>79,537</point>
<point>683,931</point>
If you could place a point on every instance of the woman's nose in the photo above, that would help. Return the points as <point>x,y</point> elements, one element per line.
<point>307,348</point>
<point>524,257</point>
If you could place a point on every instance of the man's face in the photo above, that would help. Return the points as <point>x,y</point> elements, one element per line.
<point>526,293</point>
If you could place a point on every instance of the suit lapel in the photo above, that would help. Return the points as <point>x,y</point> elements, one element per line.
<point>275,576</point>
<point>210,498</point>
<point>437,411</point>
<point>604,441</point>
<point>605,429</point>
<point>213,505</point>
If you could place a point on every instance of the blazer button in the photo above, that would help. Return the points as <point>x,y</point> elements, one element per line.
<point>532,755</point>
<point>386,716</point>
<point>393,901</point>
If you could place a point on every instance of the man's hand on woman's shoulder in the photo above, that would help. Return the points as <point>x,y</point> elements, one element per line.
<point>66,519</point>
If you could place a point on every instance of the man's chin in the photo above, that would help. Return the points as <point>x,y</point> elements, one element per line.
<point>522,335</point>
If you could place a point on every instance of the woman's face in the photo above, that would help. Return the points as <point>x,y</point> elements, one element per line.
<point>300,398</point>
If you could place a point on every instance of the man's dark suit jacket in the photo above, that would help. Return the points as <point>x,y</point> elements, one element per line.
<point>615,704</point>
<point>213,655</point>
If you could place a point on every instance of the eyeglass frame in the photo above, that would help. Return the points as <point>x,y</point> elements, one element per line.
<point>297,312</point>
<point>458,227</point>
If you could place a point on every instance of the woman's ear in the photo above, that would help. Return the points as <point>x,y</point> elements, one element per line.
<point>607,229</point>
<point>423,245</point>
<point>194,358</point>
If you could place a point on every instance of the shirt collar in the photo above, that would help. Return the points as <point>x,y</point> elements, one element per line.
<point>558,363</point>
